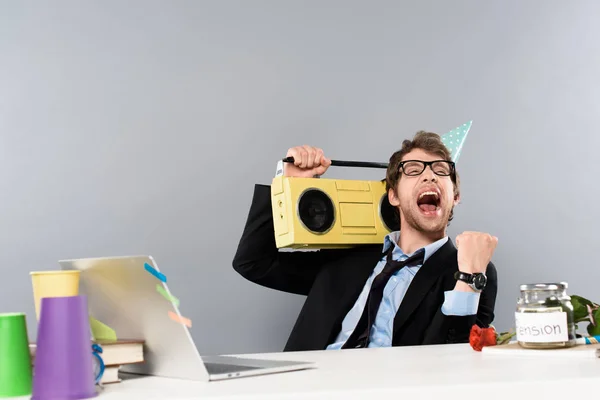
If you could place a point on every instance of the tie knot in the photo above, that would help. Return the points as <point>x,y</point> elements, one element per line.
<point>392,266</point>
<point>416,259</point>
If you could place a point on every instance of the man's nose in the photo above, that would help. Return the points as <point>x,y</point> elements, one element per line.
<point>428,174</point>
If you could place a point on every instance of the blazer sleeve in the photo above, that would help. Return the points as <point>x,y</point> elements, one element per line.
<point>258,260</point>
<point>456,329</point>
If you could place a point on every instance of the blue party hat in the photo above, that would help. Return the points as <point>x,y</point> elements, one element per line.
<point>455,139</point>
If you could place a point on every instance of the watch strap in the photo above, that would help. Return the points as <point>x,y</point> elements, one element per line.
<point>463,276</point>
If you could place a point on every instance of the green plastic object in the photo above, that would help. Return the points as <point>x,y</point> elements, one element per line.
<point>15,358</point>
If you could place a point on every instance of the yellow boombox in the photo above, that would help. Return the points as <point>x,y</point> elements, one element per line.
<point>316,213</point>
<point>312,213</point>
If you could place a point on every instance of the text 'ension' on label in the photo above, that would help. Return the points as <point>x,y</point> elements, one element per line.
<point>541,327</point>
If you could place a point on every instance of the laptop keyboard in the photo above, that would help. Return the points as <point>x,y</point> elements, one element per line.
<point>215,368</point>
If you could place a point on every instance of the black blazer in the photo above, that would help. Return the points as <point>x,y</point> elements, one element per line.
<point>332,280</point>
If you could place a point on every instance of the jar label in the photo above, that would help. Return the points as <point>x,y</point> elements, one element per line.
<point>541,327</point>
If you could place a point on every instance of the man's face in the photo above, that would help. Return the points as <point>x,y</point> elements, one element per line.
<point>425,200</point>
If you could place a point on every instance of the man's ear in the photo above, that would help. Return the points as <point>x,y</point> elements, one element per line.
<point>393,199</point>
<point>456,200</point>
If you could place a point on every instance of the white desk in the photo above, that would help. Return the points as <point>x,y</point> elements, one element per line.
<point>446,371</point>
<point>451,371</point>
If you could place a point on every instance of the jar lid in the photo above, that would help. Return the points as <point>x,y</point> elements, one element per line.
<point>544,286</point>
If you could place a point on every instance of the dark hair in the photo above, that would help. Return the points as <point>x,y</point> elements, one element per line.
<point>429,142</point>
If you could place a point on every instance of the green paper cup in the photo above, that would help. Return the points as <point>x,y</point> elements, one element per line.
<point>15,358</point>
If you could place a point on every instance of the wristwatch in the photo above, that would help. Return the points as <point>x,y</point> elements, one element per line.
<point>475,281</point>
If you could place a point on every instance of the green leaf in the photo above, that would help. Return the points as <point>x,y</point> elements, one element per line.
<point>579,308</point>
<point>583,300</point>
<point>595,330</point>
<point>505,337</point>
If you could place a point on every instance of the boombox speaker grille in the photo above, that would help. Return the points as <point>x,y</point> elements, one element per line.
<point>316,211</point>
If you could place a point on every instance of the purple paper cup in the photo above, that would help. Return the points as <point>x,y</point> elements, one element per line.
<point>63,367</point>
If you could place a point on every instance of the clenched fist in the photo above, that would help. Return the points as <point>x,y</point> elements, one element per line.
<point>308,162</point>
<point>475,250</point>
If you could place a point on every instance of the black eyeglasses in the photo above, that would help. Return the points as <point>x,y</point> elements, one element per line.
<point>416,167</point>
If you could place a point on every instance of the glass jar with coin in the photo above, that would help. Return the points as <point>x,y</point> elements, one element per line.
<point>544,317</point>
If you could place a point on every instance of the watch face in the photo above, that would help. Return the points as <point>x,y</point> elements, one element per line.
<point>479,281</point>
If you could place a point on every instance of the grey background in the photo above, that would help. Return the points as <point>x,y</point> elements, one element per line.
<point>141,126</point>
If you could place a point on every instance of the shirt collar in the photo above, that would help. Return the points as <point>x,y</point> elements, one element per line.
<point>392,239</point>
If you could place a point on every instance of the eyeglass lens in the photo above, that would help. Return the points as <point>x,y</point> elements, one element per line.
<point>412,168</point>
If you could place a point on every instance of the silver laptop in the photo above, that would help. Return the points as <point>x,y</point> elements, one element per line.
<point>122,293</point>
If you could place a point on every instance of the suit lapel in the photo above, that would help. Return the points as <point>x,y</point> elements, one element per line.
<point>422,282</point>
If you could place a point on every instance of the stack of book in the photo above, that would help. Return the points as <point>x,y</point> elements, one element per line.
<point>118,353</point>
<point>115,354</point>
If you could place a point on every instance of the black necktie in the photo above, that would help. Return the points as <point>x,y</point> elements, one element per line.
<point>362,332</point>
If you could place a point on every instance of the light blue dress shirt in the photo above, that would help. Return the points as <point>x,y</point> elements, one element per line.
<point>455,302</point>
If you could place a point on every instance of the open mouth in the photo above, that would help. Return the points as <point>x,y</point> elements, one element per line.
<point>429,202</point>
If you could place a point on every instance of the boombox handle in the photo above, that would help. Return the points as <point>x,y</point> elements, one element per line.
<point>338,163</point>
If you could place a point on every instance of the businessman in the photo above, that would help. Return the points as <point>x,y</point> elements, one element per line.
<point>415,288</point>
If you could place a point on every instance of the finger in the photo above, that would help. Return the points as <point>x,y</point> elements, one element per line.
<point>320,170</point>
<point>295,152</point>
<point>489,238</point>
<point>301,161</point>
<point>304,155</point>
<point>310,161</point>
<point>318,157</point>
